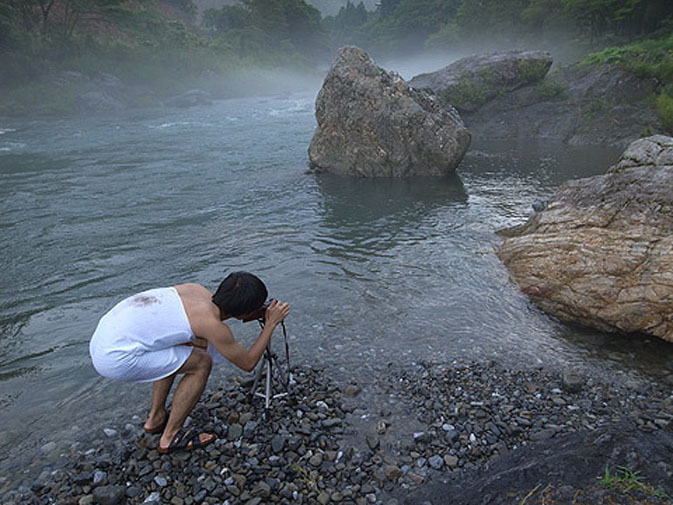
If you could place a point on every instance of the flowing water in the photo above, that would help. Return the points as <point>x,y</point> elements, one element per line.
<point>377,271</point>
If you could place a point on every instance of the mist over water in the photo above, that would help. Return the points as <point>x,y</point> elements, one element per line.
<point>97,208</point>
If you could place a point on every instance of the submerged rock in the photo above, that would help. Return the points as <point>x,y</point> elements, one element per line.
<point>190,98</point>
<point>372,124</point>
<point>470,82</point>
<point>601,252</point>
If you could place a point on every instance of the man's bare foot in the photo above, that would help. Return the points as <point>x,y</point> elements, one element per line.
<point>156,423</point>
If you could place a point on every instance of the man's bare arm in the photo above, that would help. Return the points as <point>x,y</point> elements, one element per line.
<point>219,334</point>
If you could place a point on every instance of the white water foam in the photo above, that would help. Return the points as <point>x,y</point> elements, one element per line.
<point>12,146</point>
<point>297,106</point>
<point>6,130</point>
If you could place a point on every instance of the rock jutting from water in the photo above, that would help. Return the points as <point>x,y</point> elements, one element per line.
<point>512,95</point>
<point>601,252</point>
<point>472,81</point>
<point>372,124</point>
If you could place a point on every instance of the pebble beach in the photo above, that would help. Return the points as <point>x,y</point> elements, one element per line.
<point>408,436</point>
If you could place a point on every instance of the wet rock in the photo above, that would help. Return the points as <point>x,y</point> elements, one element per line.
<point>573,382</point>
<point>373,441</point>
<point>48,447</point>
<point>154,497</point>
<point>352,390</point>
<point>372,124</point>
<point>470,82</point>
<point>190,98</point>
<point>392,472</point>
<point>451,461</point>
<point>436,462</point>
<point>579,105</point>
<point>235,431</point>
<point>601,253</point>
<point>109,495</point>
<point>278,443</point>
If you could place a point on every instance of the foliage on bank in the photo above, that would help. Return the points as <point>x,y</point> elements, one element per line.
<point>651,58</point>
<point>159,44</point>
<point>168,44</point>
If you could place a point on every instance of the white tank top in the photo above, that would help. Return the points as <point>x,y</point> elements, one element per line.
<point>148,321</point>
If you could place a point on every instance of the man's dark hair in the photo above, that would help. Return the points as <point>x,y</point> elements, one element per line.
<point>240,293</point>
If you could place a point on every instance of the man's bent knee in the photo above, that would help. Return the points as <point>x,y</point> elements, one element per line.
<point>199,361</point>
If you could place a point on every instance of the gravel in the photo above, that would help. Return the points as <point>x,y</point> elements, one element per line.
<point>407,433</point>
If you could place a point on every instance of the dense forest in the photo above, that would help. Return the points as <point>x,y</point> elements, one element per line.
<point>171,41</point>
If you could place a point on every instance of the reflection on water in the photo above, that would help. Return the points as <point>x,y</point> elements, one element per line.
<point>377,271</point>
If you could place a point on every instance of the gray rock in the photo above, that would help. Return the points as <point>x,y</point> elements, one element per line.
<point>472,81</point>
<point>601,104</point>
<point>451,436</point>
<point>200,496</point>
<point>98,101</point>
<point>99,477</point>
<point>601,253</point>
<point>372,124</point>
<point>331,423</point>
<point>190,98</point>
<point>545,434</point>
<point>261,489</point>
<point>352,390</point>
<point>109,495</point>
<point>436,462</point>
<point>451,461</point>
<point>235,431</point>
<point>48,447</point>
<point>316,459</point>
<point>392,472</point>
<point>249,429</point>
<point>573,382</point>
<point>278,443</point>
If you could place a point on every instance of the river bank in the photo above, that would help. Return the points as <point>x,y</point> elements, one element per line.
<point>412,435</point>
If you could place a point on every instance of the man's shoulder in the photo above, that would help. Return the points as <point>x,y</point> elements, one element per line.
<point>192,288</point>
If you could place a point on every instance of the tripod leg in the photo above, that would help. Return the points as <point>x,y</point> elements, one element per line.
<point>258,376</point>
<point>267,397</point>
<point>283,377</point>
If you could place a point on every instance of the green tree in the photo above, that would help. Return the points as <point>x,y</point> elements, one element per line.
<point>346,26</point>
<point>416,20</point>
<point>272,25</point>
<point>8,19</point>
<point>229,17</point>
<point>495,19</point>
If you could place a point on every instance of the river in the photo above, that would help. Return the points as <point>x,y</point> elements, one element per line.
<point>376,271</point>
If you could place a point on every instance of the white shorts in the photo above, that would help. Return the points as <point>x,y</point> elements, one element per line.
<point>148,366</point>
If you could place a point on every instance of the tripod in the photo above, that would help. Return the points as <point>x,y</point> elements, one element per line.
<point>269,363</point>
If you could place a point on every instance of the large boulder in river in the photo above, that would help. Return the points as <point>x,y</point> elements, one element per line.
<point>372,124</point>
<point>470,82</point>
<point>582,104</point>
<point>601,252</point>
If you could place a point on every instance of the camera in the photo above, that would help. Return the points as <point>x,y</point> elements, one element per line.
<point>258,314</point>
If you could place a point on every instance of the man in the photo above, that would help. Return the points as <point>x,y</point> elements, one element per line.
<point>158,334</point>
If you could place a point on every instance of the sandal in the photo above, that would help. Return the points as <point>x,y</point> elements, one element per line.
<point>161,427</point>
<point>185,440</point>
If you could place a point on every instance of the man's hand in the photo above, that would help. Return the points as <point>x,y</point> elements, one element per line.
<point>276,312</point>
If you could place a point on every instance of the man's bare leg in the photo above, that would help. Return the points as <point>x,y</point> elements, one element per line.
<point>196,371</point>
<point>160,390</point>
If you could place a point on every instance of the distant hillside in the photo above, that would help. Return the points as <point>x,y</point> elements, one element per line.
<point>326,7</point>
<point>331,7</point>
<point>202,5</point>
